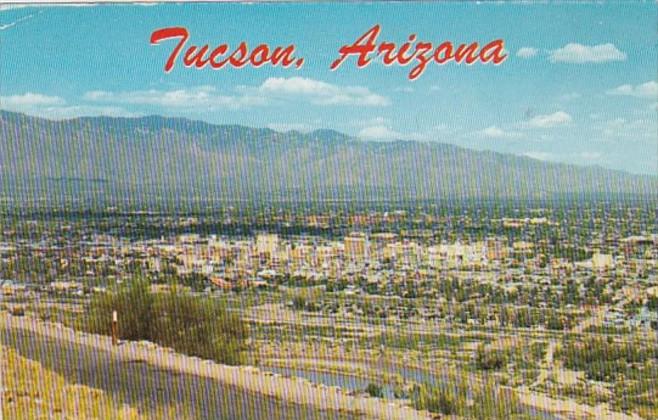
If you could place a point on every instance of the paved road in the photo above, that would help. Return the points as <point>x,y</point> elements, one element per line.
<point>146,386</point>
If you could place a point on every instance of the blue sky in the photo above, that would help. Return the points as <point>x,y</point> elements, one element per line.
<point>579,85</point>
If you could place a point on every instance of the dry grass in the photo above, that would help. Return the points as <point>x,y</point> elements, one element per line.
<point>29,391</point>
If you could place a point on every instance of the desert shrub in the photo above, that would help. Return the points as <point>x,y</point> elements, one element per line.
<point>491,401</point>
<point>478,400</point>
<point>374,390</point>
<point>489,359</point>
<point>400,391</point>
<point>196,326</point>
<point>435,399</point>
<point>299,303</point>
<point>557,323</point>
<point>538,350</point>
<point>134,304</point>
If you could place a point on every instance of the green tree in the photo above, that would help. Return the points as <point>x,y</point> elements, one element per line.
<point>133,302</point>
<point>196,326</point>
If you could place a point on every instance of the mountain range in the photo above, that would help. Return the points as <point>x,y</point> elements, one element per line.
<point>181,159</point>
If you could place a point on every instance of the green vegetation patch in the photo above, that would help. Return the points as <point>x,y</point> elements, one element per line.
<point>196,326</point>
<point>460,397</point>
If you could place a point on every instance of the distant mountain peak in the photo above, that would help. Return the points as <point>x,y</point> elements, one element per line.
<point>179,157</point>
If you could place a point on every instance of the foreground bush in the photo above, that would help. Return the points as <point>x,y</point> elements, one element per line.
<point>192,325</point>
<point>198,327</point>
<point>133,302</point>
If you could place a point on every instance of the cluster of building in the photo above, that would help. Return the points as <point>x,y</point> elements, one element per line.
<point>268,255</point>
<point>513,255</point>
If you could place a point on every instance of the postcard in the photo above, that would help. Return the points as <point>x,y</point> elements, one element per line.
<point>319,210</point>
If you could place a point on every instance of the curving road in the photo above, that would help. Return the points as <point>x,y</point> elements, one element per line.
<point>148,387</point>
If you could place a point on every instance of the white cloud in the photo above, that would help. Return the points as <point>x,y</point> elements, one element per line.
<point>378,132</point>
<point>442,128</point>
<point>270,91</point>
<point>283,127</point>
<point>540,155</point>
<point>581,158</point>
<point>55,107</point>
<point>643,90</point>
<point>202,96</point>
<point>579,54</point>
<point>383,132</point>
<point>29,99</point>
<point>370,122</point>
<point>72,111</point>
<point>590,156</point>
<point>320,93</point>
<point>527,52</point>
<point>495,132</point>
<point>555,119</point>
<point>621,129</point>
